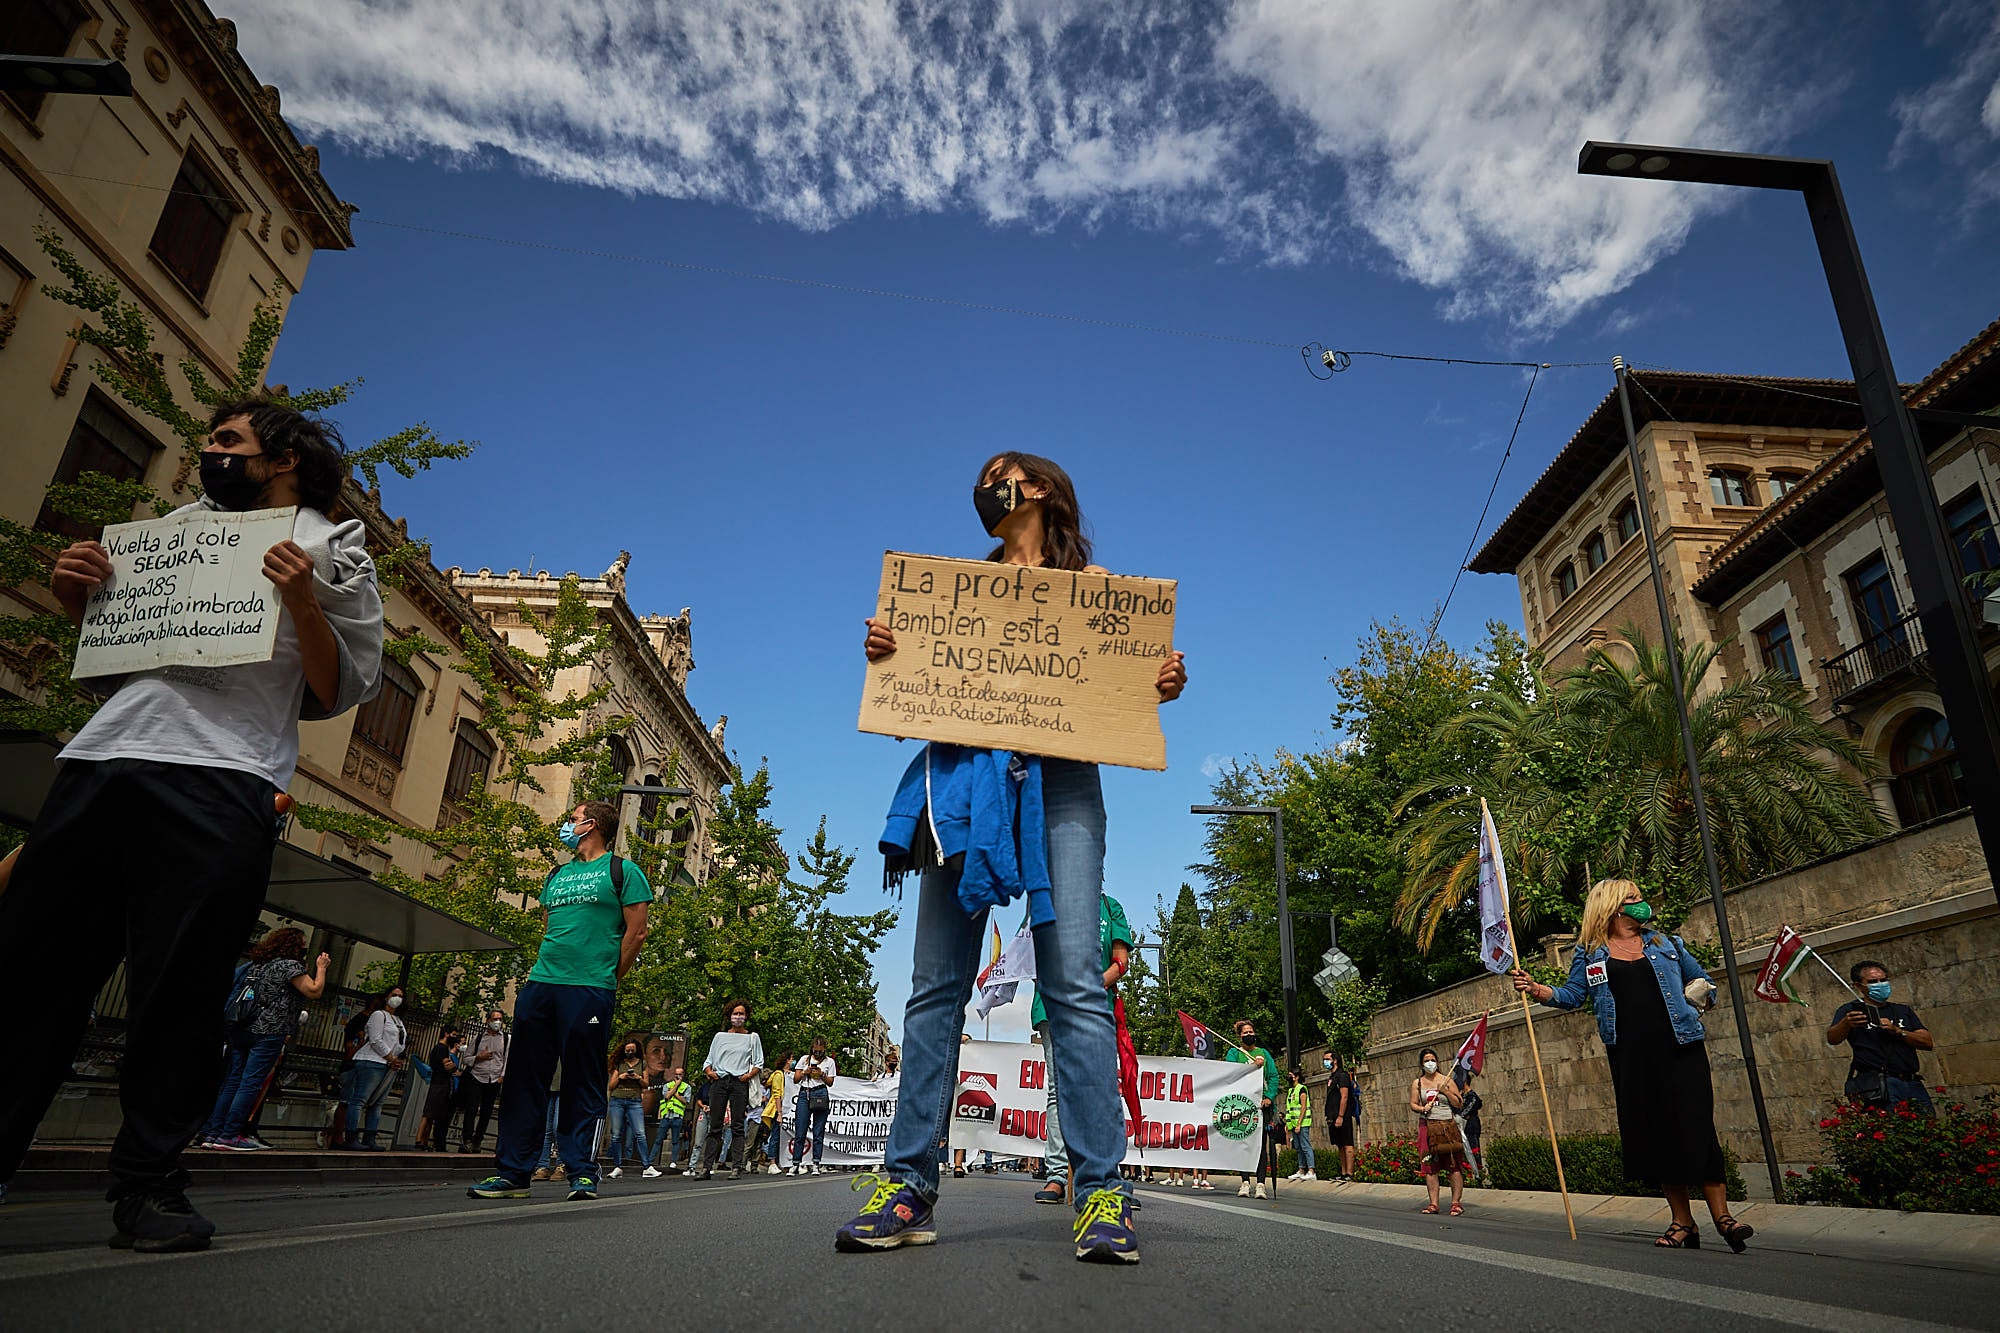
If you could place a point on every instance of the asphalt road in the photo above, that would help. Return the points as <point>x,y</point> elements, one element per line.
<point>758,1253</point>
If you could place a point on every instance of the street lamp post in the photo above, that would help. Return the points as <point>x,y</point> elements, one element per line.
<point>1692,758</point>
<point>1950,633</point>
<point>1287,970</point>
<point>1956,658</point>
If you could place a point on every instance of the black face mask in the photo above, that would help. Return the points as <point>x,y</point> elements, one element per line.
<point>995,502</point>
<point>226,479</point>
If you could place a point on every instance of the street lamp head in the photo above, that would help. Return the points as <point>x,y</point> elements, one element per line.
<point>1700,166</point>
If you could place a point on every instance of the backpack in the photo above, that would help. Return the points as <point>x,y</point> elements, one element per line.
<point>242,1004</point>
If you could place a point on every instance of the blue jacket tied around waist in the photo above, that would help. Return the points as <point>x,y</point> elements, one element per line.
<point>983,805</point>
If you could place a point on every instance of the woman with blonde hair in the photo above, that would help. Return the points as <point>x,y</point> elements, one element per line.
<point>1649,994</point>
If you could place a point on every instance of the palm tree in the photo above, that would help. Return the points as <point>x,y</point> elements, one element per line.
<point>1780,784</point>
<point>1591,773</point>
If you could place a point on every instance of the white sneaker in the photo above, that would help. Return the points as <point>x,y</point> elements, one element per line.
<point>1260,1192</point>
<point>1243,1190</point>
<point>774,1169</point>
<point>651,1173</point>
<point>614,1173</point>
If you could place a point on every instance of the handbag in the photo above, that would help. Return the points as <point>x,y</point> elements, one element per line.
<point>1443,1137</point>
<point>1868,1086</point>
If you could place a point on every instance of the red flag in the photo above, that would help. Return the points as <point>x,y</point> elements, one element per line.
<point>1472,1055</point>
<point>1774,980</point>
<point>1202,1043</point>
<point>1128,1069</point>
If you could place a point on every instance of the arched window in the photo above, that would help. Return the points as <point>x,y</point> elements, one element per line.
<point>472,752</point>
<point>649,806</point>
<point>1924,761</point>
<point>1628,522</point>
<point>1565,581</point>
<point>621,757</point>
<point>384,721</point>
<point>1593,552</point>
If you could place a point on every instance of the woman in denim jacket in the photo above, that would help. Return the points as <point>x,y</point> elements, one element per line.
<point>1645,988</point>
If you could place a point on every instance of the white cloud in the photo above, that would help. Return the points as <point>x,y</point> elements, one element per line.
<point>1958,116</point>
<point>1446,133</point>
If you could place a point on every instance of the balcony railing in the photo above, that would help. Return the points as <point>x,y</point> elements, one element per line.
<point>1893,651</point>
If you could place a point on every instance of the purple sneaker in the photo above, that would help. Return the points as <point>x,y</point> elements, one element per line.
<point>895,1214</point>
<point>1104,1233</point>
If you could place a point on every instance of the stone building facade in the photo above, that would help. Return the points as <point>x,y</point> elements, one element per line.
<point>1805,576</point>
<point>1713,451</point>
<point>192,195</point>
<point>1816,587</point>
<point>646,667</point>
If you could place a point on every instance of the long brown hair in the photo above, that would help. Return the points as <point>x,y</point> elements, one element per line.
<point>284,942</point>
<point>1064,545</point>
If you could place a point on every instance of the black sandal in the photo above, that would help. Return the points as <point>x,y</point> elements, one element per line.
<point>1679,1236</point>
<point>1737,1233</point>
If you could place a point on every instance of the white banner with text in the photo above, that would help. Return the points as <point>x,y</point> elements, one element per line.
<point>857,1122</point>
<point>1203,1113</point>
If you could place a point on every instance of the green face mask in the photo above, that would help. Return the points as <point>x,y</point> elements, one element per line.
<point>1640,912</point>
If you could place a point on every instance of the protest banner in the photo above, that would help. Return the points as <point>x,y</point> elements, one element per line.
<point>857,1123</point>
<point>185,590</point>
<point>1048,662</point>
<point>1203,1113</point>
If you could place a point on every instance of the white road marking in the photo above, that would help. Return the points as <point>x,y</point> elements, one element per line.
<point>1755,1305</point>
<point>60,1262</point>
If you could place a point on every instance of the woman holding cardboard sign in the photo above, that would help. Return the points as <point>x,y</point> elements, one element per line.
<point>958,814</point>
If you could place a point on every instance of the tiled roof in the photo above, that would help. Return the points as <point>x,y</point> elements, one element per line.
<point>1670,395</point>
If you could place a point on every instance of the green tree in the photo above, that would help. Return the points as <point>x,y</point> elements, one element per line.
<point>1343,813</point>
<point>43,643</point>
<point>494,858</point>
<point>751,931</point>
<point>1588,777</point>
<point>1779,783</point>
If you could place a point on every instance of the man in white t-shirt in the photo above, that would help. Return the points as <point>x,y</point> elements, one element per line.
<point>812,1078</point>
<point>154,843</point>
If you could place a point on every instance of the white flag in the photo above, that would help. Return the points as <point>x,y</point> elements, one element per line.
<point>1494,951</point>
<point>1015,965</point>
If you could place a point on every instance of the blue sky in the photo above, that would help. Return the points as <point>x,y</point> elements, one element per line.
<point>1369,177</point>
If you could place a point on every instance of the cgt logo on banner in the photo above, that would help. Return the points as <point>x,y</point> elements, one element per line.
<point>857,1122</point>
<point>1197,1112</point>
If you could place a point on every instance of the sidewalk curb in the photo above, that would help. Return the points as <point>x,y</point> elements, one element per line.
<point>1958,1240</point>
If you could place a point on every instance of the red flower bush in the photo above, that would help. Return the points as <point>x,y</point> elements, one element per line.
<point>1392,1162</point>
<point>1905,1159</point>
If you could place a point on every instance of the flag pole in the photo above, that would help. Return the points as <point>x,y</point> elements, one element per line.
<point>1541,1079</point>
<point>1548,1114</point>
<point>1836,976</point>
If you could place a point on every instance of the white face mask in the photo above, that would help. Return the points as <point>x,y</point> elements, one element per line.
<point>494,1025</point>
<point>1430,1066</point>
<point>395,1002</point>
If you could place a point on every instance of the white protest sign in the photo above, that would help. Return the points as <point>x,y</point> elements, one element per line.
<point>185,590</point>
<point>857,1123</point>
<point>1201,1113</point>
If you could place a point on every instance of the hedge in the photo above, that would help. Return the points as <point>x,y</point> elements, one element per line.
<point>1592,1164</point>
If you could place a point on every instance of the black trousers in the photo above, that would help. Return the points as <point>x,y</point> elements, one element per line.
<point>478,1100</point>
<point>733,1093</point>
<point>164,866</point>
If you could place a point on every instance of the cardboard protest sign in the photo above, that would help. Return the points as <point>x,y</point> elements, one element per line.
<point>1043,661</point>
<point>186,590</point>
<point>1204,1113</point>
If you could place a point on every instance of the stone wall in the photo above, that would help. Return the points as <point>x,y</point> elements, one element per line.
<point>1919,901</point>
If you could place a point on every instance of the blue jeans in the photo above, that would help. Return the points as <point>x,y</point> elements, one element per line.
<point>817,1120</point>
<point>670,1139</point>
<point>1071,977</point>
<point>369,1088</point>
<point>628,1124</point>
<point>549,1131</point>
<point>1302,1144</point>
<point>250,1059</point>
